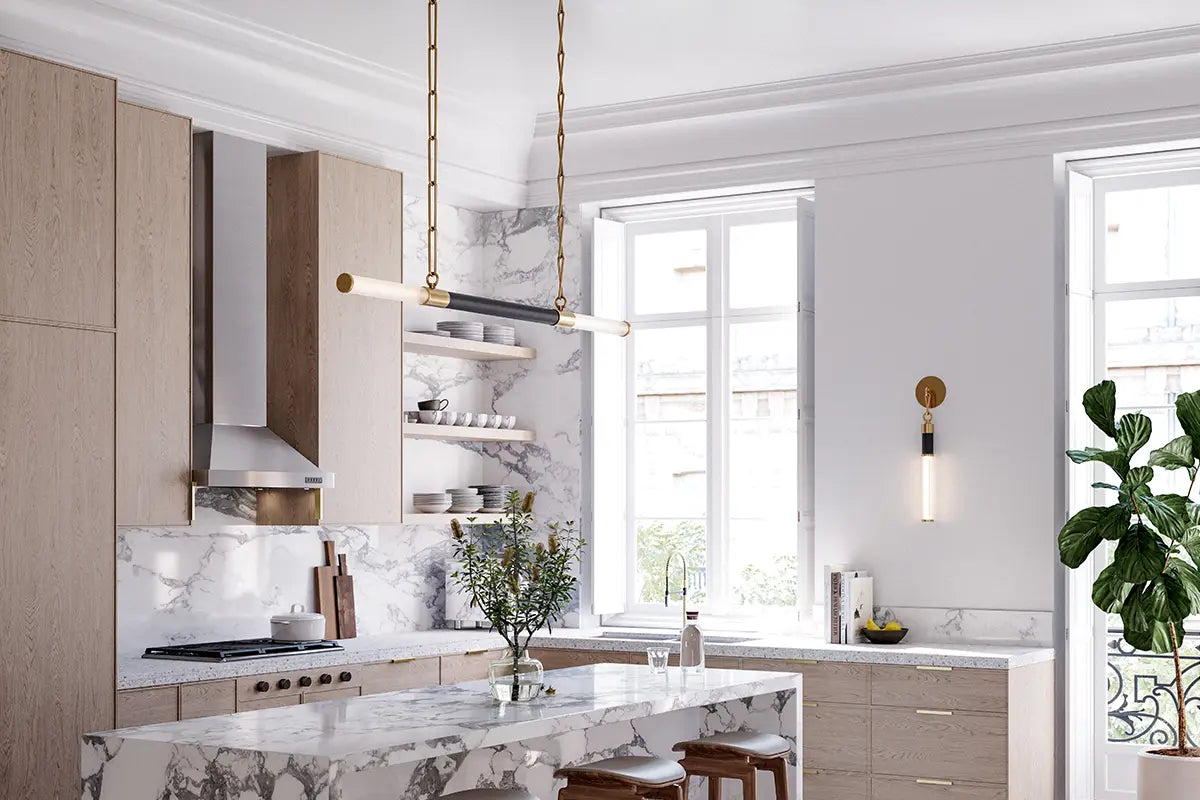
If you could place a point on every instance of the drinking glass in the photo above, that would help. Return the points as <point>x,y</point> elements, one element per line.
<point>657,658</point>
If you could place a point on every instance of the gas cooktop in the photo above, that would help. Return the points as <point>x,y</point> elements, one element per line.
<point>239,650</point>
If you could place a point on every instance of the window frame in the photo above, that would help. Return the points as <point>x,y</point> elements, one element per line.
<point>717,319</point>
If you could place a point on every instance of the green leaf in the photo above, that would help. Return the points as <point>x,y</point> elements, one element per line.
<point>1190,541</point>
<point>1080,536</point>
<point>1189,577</point>
<point>1133,431</point>
<point>1135,620</point>
<point>1175,454</point>
<point>1114,523</point>
<point>1168,598</point>
<point>1140,556</point>
<point>1105,486</point>
<point>1137,479</point>
<point>1100,403</point>
<point>1116,459</point>
<point>1167,512</point>
<point>1187,410</point>
<point>1109,591</point>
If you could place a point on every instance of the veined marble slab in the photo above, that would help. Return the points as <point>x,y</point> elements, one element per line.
<point>426,741</point>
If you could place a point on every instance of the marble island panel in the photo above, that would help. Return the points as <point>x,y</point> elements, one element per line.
<point>422,742</point>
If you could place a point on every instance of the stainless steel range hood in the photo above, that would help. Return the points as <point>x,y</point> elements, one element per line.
<point>232,445</point>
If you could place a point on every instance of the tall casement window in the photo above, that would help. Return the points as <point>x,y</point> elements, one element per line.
<point>700,430</point>
<point>1134,313</point>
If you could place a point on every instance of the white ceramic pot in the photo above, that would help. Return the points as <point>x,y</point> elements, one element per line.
<point>1167,777</point>
<point>298,626</point>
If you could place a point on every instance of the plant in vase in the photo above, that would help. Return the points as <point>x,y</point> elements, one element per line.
<point>1152,581</point>
<point>521,583</point>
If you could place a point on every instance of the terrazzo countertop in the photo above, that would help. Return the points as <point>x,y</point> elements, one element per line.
<point>981,656</point>
<point>135,672</point>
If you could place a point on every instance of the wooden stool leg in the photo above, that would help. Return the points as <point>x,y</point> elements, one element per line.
<point>750,784</point>
<point>778,768</point>
<point>714,787</point>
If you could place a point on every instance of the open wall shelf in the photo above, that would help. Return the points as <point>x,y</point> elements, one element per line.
<point>416,518</point>
<point>428,344</point>
<point>460,433</point>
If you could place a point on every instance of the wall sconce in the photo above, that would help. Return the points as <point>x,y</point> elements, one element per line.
<point>931,391</point>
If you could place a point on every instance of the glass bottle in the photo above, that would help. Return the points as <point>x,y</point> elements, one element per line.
<point>691,644</point>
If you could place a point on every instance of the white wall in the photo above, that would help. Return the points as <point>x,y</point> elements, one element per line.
<point>947,271</point>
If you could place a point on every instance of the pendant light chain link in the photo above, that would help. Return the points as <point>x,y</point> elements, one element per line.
<point>431,146</point>
<point>560,302</point>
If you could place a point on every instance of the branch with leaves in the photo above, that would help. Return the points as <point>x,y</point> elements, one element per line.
<point>1152,582</point>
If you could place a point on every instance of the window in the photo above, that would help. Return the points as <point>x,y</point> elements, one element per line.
<point>1135,319</point>
<point>711,443</point>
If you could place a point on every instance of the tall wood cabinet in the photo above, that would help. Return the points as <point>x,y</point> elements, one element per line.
<point>154,346</point>
<point>334,362</point>
<point>57,385</point>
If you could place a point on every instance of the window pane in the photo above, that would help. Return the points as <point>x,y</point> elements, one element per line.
<point>669,469</point>
<point>656,540</point>
<point>671,373</point>
<point>762,265</point>
<point>1151,234</point>
<point>670,272</point>
<point>762,463</point>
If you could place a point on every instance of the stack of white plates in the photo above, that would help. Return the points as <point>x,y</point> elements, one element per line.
<point>500,334</point>
<point>463,330</point>
<point>431,502</point>
<point>465,501</point>
<point>494,498</point>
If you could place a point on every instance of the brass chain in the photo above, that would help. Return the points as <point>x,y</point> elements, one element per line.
<point>928,415</point>
<point>560,302</point>
<point>431,146</point>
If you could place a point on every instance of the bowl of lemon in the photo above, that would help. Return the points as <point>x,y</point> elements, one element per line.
<point>891,633</point>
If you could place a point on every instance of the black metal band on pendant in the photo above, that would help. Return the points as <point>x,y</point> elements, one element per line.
<point>501,308</point>
<point>926,444</point>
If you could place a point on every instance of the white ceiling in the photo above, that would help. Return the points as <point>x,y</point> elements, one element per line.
<point>503,51</point>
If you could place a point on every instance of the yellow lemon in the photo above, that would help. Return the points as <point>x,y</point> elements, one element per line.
<point>893,626</point>
<point>871,626</point>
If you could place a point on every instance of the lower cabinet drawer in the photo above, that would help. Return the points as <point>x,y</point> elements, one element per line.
<point>837,737</point>
<point>562,659</point>
<point>951,745</point>
<point>332,694</point>
<point>269,702</point>
<point>147,706</point>
<point>395,676</point>
<point>934,789</point>
<point>469,666</point>
<point>209,699</point>
<point>820,784</point>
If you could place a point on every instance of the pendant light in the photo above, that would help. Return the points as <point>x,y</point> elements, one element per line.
<point>430,294</point>
<point>931,391</point>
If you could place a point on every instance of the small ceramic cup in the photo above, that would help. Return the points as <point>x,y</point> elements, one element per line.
<point>494,420</point>
<point>438,404</point>
<point>412,416</point>
<point>508,422</point>
<point>449,418</point>
<point>430,417</point>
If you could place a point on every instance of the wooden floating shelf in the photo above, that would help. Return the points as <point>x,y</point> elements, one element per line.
<point>416,518</point>
<point>460,433</point>
<point>427,344</point>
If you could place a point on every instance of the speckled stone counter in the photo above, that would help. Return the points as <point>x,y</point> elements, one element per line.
<point>422,743</point>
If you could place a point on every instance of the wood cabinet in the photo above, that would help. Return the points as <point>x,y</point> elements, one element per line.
<point>57,552</point>
<point>820,784</point>
<point>926,789</point>
<point>395,676</point>
<point>57,159</point>
<point>561,659</point>
<point>154,352</point>
<point>334,361</point>
<point>208,699</point>
<point>147,706</point>
<point>469,666</point>
<point>269,702</point>
<point>331,694</point>
<point>837,736</point>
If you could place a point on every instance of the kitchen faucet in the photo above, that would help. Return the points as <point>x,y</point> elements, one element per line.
<point>667,583</point>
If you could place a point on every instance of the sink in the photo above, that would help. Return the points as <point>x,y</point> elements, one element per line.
<point>640,636</point>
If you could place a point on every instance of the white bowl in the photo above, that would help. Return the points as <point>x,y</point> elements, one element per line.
<point>438,509</point>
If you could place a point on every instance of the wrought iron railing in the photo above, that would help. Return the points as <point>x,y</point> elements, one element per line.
<point>1142,703</point>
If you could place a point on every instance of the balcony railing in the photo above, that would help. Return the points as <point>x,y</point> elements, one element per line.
<point>1142,704</point>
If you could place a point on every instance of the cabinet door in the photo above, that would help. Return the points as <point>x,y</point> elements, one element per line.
<point>154,279</point>
<point>947,745</point>
<point>147,706</point>
<point>332,694</point>
<point>470,666</point>
<point>209,699</point>
<point>940,687</point>
<point>395,676</point>
<point>824,681</point>
<point>56,195</point>
<point>57,553</point>
<point>269,702</point>
<point>561,659</point>
<point>820,784</point>
<point>837,736</point>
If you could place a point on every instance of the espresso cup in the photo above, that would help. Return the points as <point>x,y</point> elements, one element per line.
<point>438,404</point>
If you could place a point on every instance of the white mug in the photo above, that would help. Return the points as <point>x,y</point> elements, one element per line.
<point>449,418</point>
<point>430,417</point>
<point>494,421</point>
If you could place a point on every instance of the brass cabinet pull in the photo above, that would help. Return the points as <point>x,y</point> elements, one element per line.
<point>934,713</point>
<point>476,652</point>
<point>809,704</point>
<point>934,782</point>
<point>803,661</point>
<point>402,660</point>
<point>931,668</point>
<point>812,772</point>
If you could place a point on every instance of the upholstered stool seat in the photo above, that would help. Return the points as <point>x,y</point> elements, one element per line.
<point>625,776</point>
<point>738,755</point>
<point>490,794</point>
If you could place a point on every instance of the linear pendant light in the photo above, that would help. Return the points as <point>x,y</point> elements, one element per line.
<point>429,294</point>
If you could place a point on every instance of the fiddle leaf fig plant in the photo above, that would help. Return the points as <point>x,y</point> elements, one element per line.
<point>1152,582</point>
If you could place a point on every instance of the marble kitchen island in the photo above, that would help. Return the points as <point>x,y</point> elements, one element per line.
<point>422,743</point>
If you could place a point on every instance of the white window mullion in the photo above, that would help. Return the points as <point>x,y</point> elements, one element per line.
<point>718,417</point>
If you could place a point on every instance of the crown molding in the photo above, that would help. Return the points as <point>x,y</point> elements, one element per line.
<point>238,77</point>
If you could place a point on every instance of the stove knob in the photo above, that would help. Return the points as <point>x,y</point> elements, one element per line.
<point>345,676</point>
<point>326,678</point>
<point>284,683</point>
<point>262,686</point>
<point>306,681</point>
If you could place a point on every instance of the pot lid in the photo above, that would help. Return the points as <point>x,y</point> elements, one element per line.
<point>298,614</point>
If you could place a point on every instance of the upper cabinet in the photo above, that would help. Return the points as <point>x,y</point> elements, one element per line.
<point>57,132</point>
<point>154,282</point>
<point>334,362</point>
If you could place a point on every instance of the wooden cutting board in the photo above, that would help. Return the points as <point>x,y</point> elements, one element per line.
<point>343,589</point>
<point>326,596</point>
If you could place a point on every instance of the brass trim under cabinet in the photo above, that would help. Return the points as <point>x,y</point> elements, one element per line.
<point>933,782</point>
<point>475,652</point>
<point>929,712</point>
<point>403,660</point>
<point>935,669</point>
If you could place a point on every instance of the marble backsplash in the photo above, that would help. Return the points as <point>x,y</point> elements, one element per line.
<point>223,578</point>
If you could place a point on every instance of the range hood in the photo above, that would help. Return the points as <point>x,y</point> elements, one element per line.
<point>231,444</point>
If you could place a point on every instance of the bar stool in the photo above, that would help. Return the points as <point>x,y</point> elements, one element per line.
<point>739,755</point>
<point>624,778</point>
<point>490,794</point>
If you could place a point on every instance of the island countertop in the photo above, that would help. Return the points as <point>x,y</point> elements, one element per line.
<point>362,733</point>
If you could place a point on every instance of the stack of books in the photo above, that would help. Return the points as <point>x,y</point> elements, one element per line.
<point>849,603</point>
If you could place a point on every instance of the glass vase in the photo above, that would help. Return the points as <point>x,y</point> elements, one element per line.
<point>516,677</point>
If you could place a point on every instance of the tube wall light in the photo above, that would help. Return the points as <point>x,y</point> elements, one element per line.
<point>931,391</point>
<point>439,298</point>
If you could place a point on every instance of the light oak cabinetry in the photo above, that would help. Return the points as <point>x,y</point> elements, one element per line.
<point>404,673</point>
<point>334,361</point>
<point>561,659</point>
<point>147,706</point>
<point>208,699</point>
<point>470,666</point>
<point>57,162</point>
<point>154,351</point>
